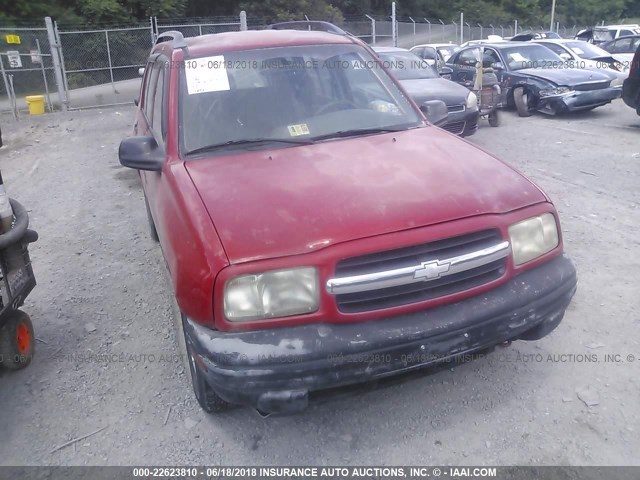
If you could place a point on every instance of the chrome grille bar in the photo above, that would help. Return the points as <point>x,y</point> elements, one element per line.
<point>423,272</point>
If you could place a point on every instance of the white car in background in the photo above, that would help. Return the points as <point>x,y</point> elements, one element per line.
<point>435,54</point>
<point>580,54</point>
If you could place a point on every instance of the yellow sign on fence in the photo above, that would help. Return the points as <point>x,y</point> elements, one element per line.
<point>15,39</point>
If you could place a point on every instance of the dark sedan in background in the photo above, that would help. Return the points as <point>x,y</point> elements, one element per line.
<point>631,87</point>
<point>423,83</point>
<point>533,78</point>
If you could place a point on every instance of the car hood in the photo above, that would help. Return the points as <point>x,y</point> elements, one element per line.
<point>425,89</point>
<point>295,200</point>
<point>565,76</point>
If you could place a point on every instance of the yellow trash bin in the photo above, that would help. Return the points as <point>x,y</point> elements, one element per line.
<point>35,104</point>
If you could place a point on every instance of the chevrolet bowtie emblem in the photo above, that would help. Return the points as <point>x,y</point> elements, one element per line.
<point>431,270</point>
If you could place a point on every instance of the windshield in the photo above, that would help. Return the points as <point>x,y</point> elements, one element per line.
<point>602,35</point>
<point>407,66</point>
<point>531,56</point>
<point>285,96</point>
<point>586,50</point>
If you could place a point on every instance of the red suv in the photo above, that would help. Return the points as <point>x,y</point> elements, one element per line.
<point>319,231</point>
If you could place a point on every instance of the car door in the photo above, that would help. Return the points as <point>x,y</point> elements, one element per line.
<point>464,66</point>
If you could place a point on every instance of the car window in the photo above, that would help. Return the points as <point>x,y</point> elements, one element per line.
<point>621,46</point>
<point>466,58</point>
<point>406,66</point>
<point>285,95</point>
<point>625,32</point>
<point>157,85</point>
<point>587,50</point>
<point>555,48</point>
<point>531,56</point>
<point>419,51</point>
<point>429,53</point>
<point>490,58</point>
<point>148,93</point>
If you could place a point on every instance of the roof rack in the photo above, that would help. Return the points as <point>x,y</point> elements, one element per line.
<point>315,25</point>
<point>173,36</point>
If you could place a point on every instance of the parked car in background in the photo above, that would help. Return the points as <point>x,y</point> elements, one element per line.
<point>435,54</point>
<point>582,54</point>
<point>423,83</point>
<point>606,33</point>
<point>533,78</point>
<point>631,86</point>
<point>526,36</point>
<point>318,231</point>
<point>623,49</point>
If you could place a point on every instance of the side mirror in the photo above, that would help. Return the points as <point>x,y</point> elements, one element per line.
<point>498,66</point>
<point>141,153</point>
<point>136,101</point>
<point>435,111</point>
<point>565,56</point>
<point>445,71</point>
<point>141,71</point>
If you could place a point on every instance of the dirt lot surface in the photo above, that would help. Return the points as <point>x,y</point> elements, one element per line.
<point>108,357</point>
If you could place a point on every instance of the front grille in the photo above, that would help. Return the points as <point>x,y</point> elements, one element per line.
<point>415,255</point>
<point>454,127</point>
<point>455,108</point>
<point>592,86</point>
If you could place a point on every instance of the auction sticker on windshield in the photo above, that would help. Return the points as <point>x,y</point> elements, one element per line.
<point>297,130</point>
<point>207,74</point>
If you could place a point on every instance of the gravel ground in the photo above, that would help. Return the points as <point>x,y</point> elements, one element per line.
<point>103,290</point>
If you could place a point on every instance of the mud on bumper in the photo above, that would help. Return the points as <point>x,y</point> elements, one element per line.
<point>279,370</point>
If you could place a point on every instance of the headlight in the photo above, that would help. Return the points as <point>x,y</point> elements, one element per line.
<point>616,82</point>
<point>554,91</point>
<point>277,293</point>
<point>533,237</point>
<point>472,100</point>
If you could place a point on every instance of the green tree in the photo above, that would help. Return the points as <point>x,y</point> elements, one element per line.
<point>283,10</point>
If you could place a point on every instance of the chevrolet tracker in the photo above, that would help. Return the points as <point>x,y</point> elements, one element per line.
<point>319,231</point>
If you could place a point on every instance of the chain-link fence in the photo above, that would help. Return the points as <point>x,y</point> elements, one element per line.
<point>26,67</point>
<point>101,67</point>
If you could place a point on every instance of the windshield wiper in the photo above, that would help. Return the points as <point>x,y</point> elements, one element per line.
<point>356,132</point>
<point>249,141</point>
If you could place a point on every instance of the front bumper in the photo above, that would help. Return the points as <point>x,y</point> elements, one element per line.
<point>578,100</point>
<point>631,92</point>
<point>463,123</point>
<point>281,369</point>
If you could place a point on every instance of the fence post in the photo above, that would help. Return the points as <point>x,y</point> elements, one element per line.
<point>373,29</point>
<point>57,68</point>
<point>515,29</point>
<point>394,25</point>
<point>470,36</point>
<point>44,76</point>
<point>106,37</point>
<point>414,31</point>
<point>429,23</point>
<point>243,21</point>
<point>481,36</point>
<point>153,39</point>
<point>456,27</point>
<point>461,28</point>
<point>493,30</point>
<point>443,32</point>
<point>10,96</point>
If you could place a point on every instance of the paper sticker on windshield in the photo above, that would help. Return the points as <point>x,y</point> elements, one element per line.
<point>297,130</point>
<point>517,57</point>
<point>207,74</point>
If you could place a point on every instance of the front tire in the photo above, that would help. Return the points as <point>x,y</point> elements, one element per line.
<point>17,341</point>
<point>494,118</point>
<point>521,99</point>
